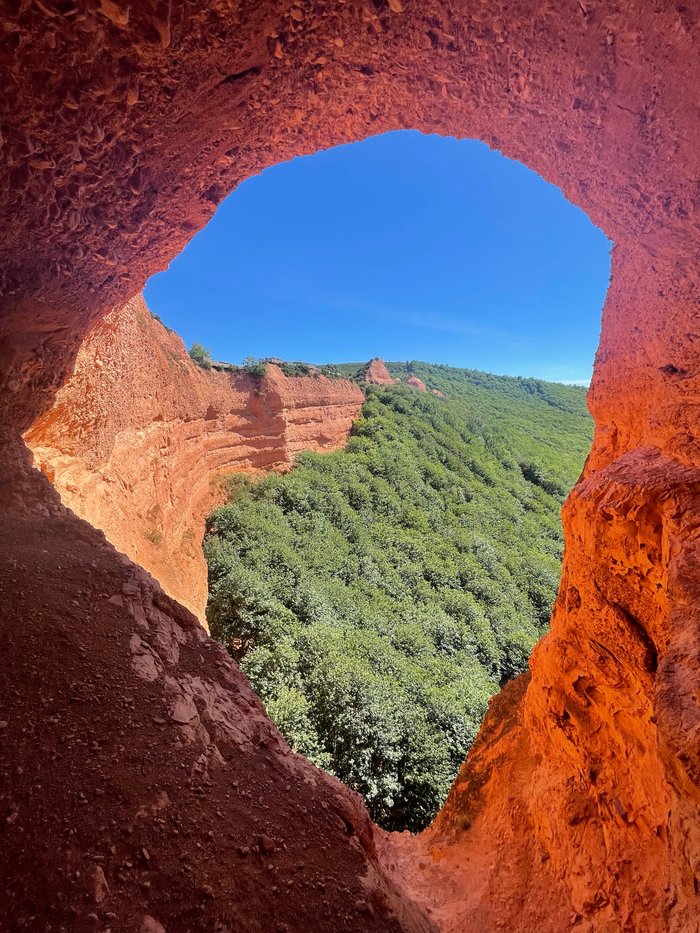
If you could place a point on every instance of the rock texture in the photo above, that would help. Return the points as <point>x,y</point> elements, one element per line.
<point>139,440</point>
<point>604,729</point>
<point>122,128</point>
<point>416,383</point>
<point>376,373</point>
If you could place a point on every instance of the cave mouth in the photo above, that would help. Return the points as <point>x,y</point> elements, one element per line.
<point>599,101</point>
<point>446,251</point>
<point>404,246</point>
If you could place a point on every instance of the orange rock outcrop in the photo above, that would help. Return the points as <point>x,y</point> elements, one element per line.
<point>139,440</point>
<point>416,383</point>
<point>376,373</point>
<point>136,768</point>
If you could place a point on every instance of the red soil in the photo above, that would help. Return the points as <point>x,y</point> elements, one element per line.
<point>140,777</point>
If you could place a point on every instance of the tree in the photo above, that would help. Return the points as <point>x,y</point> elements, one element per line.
<point>376,597</point>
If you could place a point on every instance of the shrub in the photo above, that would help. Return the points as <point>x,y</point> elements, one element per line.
<point>200,355</point>
<point>155,537</point>
<point>254,367</point>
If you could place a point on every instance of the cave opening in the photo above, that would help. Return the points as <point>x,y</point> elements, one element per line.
<point>379,666</point>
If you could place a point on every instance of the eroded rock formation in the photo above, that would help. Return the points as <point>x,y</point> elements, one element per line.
<point>122,128</point>
<point>142,786</point>
<point>139,440</point>
<point>416,383</point>
<point>376,373</point>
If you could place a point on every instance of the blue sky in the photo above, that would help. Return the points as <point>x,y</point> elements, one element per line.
<point>403,246</point>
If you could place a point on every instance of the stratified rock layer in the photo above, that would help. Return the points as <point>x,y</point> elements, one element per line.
<point>122,128</point>
<point>139,440</point>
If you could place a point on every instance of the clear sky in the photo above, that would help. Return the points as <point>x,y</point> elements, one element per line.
<point>404,246</point>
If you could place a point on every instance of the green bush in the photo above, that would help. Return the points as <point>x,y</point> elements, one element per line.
<point>200,355</point>
<point>377,596</point>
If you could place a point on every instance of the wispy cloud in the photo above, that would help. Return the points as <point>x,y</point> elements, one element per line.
<point>426,320</point>
<point>566,373</point>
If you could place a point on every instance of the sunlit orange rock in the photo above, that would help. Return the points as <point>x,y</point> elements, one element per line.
<point>139,440</point>
<point>416,383</point>
<point>377,373</point>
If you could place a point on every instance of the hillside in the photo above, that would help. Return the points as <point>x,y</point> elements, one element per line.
<point>377,596</point>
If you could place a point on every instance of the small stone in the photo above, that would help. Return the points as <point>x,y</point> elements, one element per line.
<point>151,925</point>
<point>183,712</point>
<point>3,724</point>
<point>101,889</point>
<point>267,844</point>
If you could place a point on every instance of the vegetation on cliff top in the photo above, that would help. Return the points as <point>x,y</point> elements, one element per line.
<point>200,355</point>
<point>377,597</point>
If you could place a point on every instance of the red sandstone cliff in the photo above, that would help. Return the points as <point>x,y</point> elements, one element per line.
<point>142,786</point>
<point>139,438</point>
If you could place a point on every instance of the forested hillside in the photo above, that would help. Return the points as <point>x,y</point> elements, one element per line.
<point>377,597</point>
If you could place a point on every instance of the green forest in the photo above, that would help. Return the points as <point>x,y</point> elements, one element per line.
<point>378,596</point>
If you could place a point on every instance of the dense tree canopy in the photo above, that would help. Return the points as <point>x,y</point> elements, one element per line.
<point>378,596</point>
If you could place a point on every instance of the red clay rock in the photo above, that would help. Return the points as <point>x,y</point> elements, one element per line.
<point>376,373</point>
<point>415,383</point>
<point>139,440</point>
<point>122,128</point>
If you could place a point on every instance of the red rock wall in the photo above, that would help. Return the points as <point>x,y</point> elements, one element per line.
<point>142,786</point>
<point>139,440</point>
<point>122,128</point>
